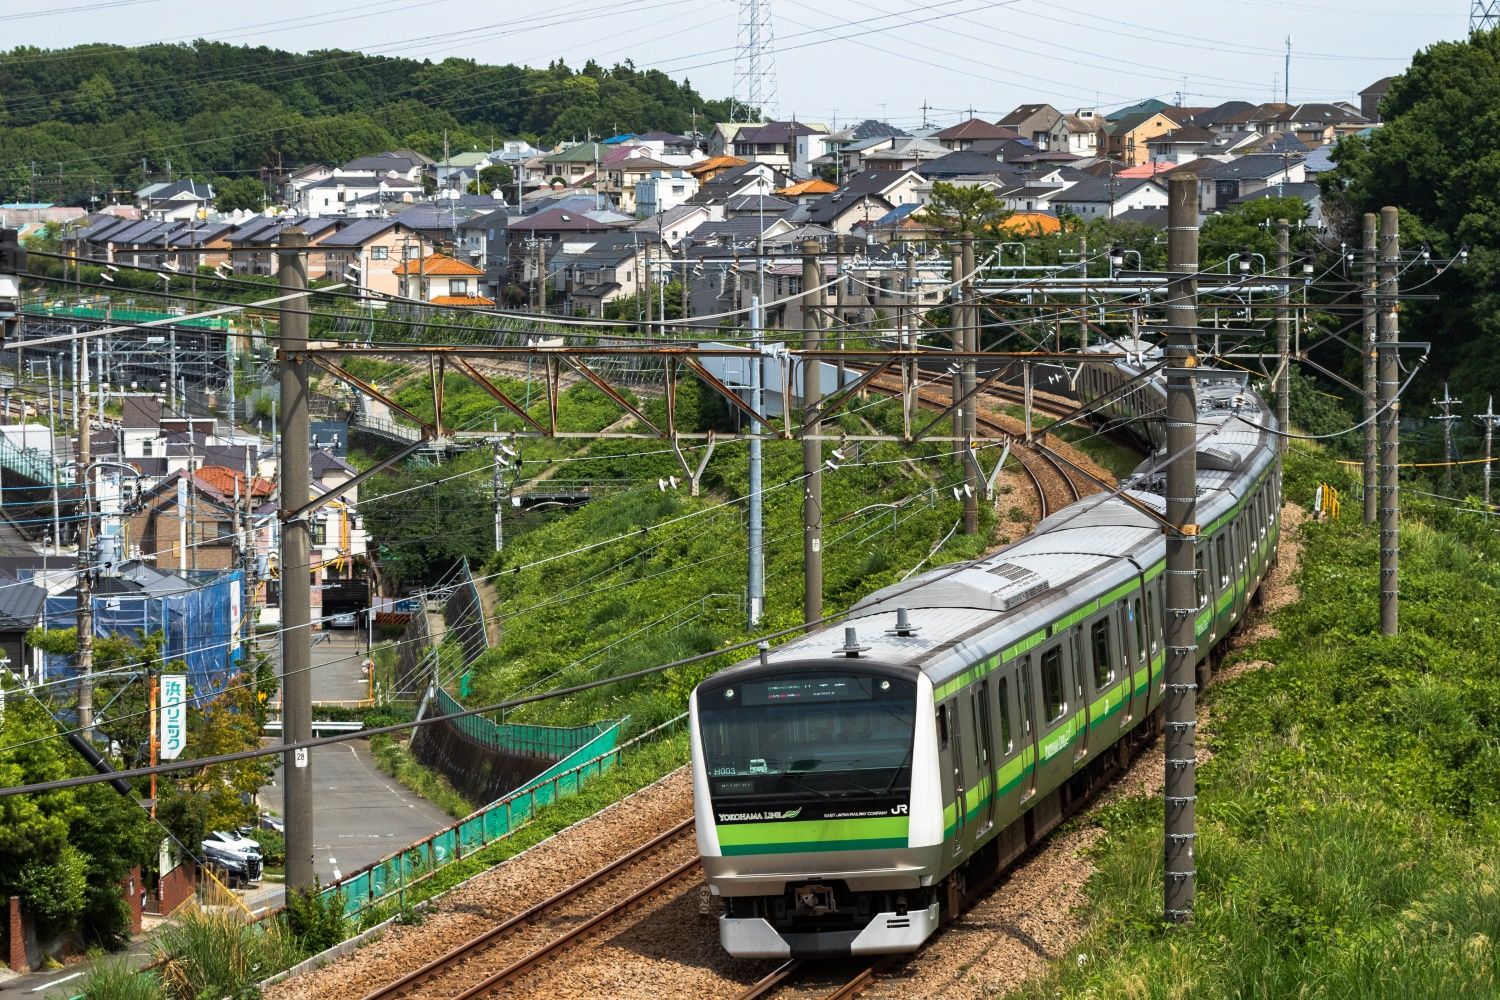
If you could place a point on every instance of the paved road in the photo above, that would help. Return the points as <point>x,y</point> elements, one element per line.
<point>360,814</point>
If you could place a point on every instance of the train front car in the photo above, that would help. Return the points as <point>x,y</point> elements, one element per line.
<point>816,788</point>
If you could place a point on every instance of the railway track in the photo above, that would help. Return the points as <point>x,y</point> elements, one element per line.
<point>517,946</point>
<point>819,980</point>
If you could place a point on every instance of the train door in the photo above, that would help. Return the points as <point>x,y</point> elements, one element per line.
<point>950,747</point>
<point>1056,716</point>
<point>1079,694</point>
<point>1106,700</point>
<point>984,746</point>
<point>1155,678</point>
<point>1203,597</point>
<point>1241,563</point>
<point>1029,729</point>
<point>1139,664</point>
<point>1013,765</point>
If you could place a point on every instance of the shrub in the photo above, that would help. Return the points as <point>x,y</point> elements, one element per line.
<point>118,980</point>
<point>216,954</point>
<point>315,920</point>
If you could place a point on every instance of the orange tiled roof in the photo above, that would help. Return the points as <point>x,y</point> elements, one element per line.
<point>462,300</point>
<point>815,186</point>
<point>714,163</point>
<point>1033,223</point>
<point>223,479</point>
<point>438,264</point>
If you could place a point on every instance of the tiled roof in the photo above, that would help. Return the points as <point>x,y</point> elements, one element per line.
<point>357,233</point>
<point>715,163</point>
<point>462,300</point>
<point>976,128</point>
<point>815,186</point>
<point>437,264</point>
<point>777,132</point>
<point>225,481</point>
<point>1256,165</point>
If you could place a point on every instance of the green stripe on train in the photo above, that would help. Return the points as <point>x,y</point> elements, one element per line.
<point>793,835</point>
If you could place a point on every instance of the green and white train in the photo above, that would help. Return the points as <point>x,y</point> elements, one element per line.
<point>849,785</point>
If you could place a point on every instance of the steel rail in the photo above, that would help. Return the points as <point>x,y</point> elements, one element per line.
<point>477,945</point>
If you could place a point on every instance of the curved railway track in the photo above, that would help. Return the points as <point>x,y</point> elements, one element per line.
<point>517,946</point>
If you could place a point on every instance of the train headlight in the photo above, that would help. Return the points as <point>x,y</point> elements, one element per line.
<point>728,694</point>
<point>885,685</point>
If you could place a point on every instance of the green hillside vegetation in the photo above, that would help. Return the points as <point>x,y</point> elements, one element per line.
<point>225,112</point>
<point>1349,815</point>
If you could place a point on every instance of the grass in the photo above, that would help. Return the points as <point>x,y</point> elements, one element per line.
<point>394,759</point>
<point>1350,816</point>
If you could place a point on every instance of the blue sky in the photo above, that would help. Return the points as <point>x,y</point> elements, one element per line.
<point>836,58</point>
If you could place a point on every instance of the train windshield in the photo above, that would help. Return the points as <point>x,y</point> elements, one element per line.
<point>809,736</point>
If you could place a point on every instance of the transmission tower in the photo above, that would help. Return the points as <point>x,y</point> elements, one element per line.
<point>1483,15</point>
<point>755,61</point>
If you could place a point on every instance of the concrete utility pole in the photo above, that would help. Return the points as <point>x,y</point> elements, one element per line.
<point>1368,336</point>
<point>1388,379</point>
<point>812,450</point>
<point>1283,329</point>
<point>1489,419</point>
<point>497,483</point>
<point>248,561</point>
<point>296,545</point>
<point>1447,404</point>
<point>85,581</point>
<point>972,478</point>
<point>756,584</point>
<point>1182,511</point>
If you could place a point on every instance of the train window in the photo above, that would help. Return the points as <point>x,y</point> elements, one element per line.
<point>1104,667</point>
<point>1140,629</point>
<point>1054,685</point>
<point>942,721</point>
<point>1002,691</point>
<point>1221,555</point>
<point>1201,577</point>
<point>981,707</point>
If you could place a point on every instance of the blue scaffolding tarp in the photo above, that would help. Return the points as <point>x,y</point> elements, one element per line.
<point>198,627</point>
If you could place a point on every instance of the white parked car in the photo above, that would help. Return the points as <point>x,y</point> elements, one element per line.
<point>232,842</point>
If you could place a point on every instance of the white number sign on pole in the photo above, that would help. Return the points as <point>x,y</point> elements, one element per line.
<point>173,715</point>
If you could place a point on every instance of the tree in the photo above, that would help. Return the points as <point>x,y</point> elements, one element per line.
<point>964,210</point>
<point>240,193</point>
<point>1437,157</point>
<point>496,175</point>
<point>432,519</point>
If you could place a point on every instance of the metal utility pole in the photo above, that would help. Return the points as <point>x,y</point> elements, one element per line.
<point>498,483</point>
<point>756,584</point>
<point>956,335</point>
<point>249,562</point>
<point>1489,418</point>
<point>812,450</point>
<point>1390,422</point>
<point>85,582</point>
<point>1182,538</point>
<point>296,544</point>
<point>1446,404</point>
<point>1367,344</point>
<point>970,327</point>
<point>1284,329</point>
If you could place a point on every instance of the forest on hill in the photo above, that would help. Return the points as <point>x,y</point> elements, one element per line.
<point>77,123</point>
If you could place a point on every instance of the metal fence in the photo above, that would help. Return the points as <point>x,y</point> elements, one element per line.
<point>389,877</point>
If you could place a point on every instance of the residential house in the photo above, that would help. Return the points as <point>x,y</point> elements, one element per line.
<point>1105,197</point>
<point>899,154</point>
<point>360,195</point>
<point>1231,116</point>
<point>831,164</point>
<point>366,254</point>
<point>1180,145</point>
<point>842,212</point>
<point>1127,139</point>
<point>459,169</point>
<point>674,225</point>
<point>296,182</point>
<point>710,168</point>
<point>897,187</point>
<point>965,134</point>
<point>175,200</point>
<point>1034,122</point>
<point>253,245</point>
<point>620,178</point>
<point>575,163</point>
<point>762,205</point>
<point>722,139</point>
<point>191,525</point>
<point>595,273</point>
<point>1223,183</point>
<point>1309,191</point>
<point>962,163</point>
<point>750,179</point>
<point>442,281</point>
<point>776,143</point>
<point>493,230</point>
<point>537,236</point>
<point>1078,133</point>
<point>1149,106</point>
<point>1313,124</point>
<point>1370,98</point>
<point>403,164</point>
<point>803,192</point>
